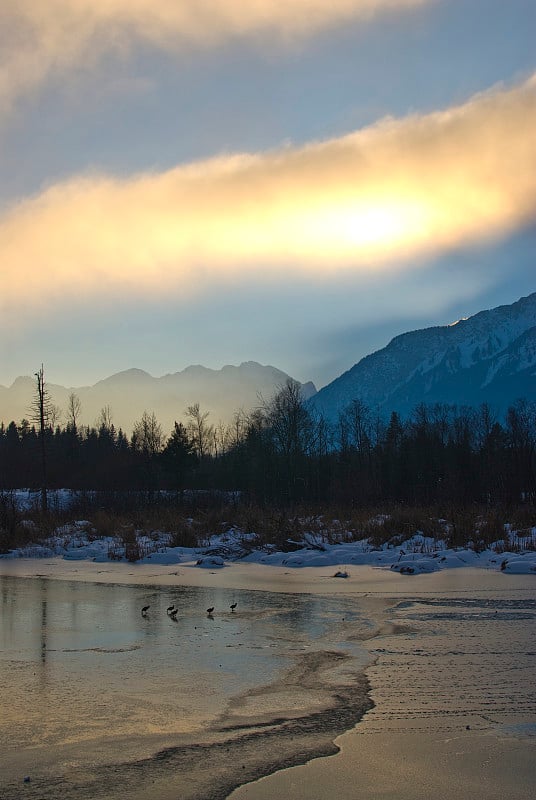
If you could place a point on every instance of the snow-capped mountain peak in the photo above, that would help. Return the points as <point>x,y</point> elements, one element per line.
<point>489,357</point>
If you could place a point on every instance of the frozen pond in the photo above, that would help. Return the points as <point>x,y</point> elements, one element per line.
<point>100,701</point>
<point>92,688</point>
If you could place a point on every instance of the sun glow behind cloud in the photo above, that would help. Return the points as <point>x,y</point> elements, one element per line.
<point>372,199</point>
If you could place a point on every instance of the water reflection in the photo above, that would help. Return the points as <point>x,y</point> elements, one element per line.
<point>44,629</point>
<point>82,666</point>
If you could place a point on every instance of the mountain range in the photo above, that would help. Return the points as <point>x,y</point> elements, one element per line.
<point>128,394</point>
<point>489,357</point>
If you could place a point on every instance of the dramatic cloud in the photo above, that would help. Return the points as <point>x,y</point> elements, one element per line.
<point>43,37</point>
<point>395,191</point>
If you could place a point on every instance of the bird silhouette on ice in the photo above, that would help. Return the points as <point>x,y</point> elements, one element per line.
<point>233,606</point>
<point>210,610</point>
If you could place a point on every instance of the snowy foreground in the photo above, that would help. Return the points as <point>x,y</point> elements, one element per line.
<point>418,554</point>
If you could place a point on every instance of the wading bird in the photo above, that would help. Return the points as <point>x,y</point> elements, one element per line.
<point>210,610</point>
<point>170,609</point>
<point>145,609</point>
<point>233,606</point>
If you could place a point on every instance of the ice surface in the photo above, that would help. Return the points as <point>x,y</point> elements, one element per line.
<point>89,682</point>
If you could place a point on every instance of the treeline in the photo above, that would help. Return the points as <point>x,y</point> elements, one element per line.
<point>283,454</point>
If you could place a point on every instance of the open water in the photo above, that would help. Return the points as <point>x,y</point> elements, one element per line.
<point>98,698</point>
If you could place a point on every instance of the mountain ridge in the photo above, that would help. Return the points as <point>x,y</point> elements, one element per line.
<point>466,363</point>
<point>132,391</point>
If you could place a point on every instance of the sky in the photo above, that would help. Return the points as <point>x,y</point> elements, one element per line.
<point>292,183</point>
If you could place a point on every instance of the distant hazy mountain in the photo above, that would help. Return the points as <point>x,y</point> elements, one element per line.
<point>490,357</point>
<point>130,393</point>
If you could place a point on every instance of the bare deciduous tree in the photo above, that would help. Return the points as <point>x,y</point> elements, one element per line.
<point>54,416</point>
<point>199,430</point>
<point>104,420</point>
<point>74,409</point>
<point>147,435</point>
<point>238,429</point>
<point>290,422</point>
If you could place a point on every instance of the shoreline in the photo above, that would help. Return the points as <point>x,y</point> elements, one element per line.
<point>362,580</point>
<point>406,766</point>
<point>237,754</point>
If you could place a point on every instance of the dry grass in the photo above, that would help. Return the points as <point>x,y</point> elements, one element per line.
<point>136,531</point>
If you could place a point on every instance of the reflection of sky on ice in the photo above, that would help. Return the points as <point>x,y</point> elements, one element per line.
<point>81,664</point>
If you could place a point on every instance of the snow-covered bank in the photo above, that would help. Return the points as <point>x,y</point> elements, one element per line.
<point>418,554</point>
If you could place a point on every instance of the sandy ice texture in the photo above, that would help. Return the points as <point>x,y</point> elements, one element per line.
<point>454,707</point>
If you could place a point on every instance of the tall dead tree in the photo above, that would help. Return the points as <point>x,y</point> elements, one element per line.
<point>41,406</point>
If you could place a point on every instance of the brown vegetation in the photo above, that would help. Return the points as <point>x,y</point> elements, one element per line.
<point>138,533</point>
